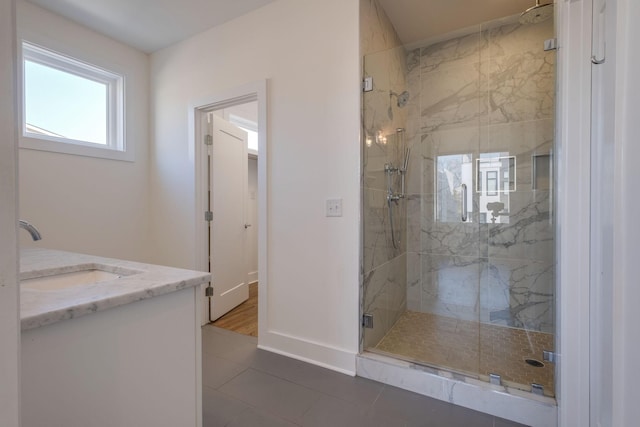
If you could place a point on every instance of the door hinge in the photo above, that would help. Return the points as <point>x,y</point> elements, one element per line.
<point>537,389</point>
<point>549,356</point>
<point>208,140</point>
<point>208,291</point>
<point>208,216</point>
<point>367,84</point>
<point>367,321</point>
<point>495,379</point>
<point>550,44</point>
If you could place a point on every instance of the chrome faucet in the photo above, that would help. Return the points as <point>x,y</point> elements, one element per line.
<point>35,234</point>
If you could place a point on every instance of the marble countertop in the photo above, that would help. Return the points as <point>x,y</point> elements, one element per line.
<point>136,282</point>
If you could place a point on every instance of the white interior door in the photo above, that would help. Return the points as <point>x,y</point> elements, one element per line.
<point>229,192</point>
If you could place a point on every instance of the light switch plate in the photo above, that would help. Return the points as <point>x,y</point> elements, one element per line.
<point>334,207</point>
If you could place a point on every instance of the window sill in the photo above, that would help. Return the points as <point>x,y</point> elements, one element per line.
<point>77,150</point>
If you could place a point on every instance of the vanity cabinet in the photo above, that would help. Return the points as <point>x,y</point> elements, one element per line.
<point>136,364</point>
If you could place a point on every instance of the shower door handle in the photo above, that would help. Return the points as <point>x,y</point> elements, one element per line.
<point>464,202</point>
<point>598,42</point>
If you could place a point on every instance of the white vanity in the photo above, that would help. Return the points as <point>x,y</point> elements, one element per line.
<point>107,342</point>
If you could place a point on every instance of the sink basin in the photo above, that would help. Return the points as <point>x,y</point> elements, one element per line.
<point>69,280</point>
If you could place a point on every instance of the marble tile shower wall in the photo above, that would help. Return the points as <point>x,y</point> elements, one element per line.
<point>489,94</point>
<point>384,274</point>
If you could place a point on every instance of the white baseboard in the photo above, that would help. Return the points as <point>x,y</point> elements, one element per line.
<point>252,277</point>
<point>316,353</point>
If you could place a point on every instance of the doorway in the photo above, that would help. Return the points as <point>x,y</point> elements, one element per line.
<point>231,302</point>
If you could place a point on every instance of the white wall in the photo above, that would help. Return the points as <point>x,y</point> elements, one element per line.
<point>626,289</point>
<point>309,52</point>
<point>612,369</point>
<point>573,214</point>
<point>86,204</point>
<point>9,295</point>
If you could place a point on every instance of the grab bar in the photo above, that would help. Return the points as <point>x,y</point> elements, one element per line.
<point>464,202</point>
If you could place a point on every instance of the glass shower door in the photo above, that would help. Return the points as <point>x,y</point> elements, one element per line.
<point>469,286</point>
<point>514,175</point>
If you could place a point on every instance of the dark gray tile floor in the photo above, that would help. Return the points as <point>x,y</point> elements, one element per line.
<point>247,387</point>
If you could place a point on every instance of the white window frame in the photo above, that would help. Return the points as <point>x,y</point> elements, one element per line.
<point>115,147</point>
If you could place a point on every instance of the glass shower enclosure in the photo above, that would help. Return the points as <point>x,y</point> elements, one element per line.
<point>458,225</point>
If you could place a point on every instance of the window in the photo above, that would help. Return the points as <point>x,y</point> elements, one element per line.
<point>67,102</point>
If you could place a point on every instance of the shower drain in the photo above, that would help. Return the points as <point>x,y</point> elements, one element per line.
<point>535,363</point>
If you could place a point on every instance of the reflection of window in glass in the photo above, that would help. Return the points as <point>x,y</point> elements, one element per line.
<point>492,183</point>
<point>496,180</point>
<point>503,164</point>
<point>451,172</point>
<point>69,101</point>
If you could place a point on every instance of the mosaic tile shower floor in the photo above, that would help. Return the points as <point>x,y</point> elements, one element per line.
<point>472,348</point>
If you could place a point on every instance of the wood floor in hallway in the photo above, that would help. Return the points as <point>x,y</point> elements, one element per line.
<point>244,318</point>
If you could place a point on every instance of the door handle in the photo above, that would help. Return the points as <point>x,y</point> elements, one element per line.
<point>247,226</point>
<point>598,41</point>
<point>464,202</point>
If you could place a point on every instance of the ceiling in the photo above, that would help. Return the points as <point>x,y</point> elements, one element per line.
<point>150,25</point>
<point>418,21</point>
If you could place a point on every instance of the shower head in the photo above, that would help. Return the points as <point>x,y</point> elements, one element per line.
<point>403,98</point>
<point>536,14</point>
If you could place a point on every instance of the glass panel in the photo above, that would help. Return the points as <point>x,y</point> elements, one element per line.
<point>64,105</point>
<point>385,207</point>
<point>517,285</point>
<point>436,319</point>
